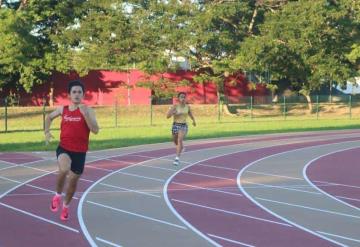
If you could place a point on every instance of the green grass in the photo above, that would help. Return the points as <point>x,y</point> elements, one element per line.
<point>142,133</point>
<point>31,118</point>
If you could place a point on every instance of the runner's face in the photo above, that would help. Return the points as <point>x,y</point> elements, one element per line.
<point>76,94</point>
<point>182,98</point>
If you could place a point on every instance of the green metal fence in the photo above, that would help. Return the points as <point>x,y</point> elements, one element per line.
<point>227,109</point>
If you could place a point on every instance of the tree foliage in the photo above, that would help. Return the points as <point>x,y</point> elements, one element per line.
<point>308,43</point>
<point>303,43</point>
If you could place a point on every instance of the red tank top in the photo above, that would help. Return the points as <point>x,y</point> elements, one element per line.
<point>74,135</point>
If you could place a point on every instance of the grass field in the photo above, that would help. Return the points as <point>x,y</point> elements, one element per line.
<point>110,137</point>
<point>31,118</point>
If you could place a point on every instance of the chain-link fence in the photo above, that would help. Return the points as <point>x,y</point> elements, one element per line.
<point>14,117</point>
<point>291,107</point>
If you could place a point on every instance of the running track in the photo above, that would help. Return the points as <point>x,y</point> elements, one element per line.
<point>300,189</point>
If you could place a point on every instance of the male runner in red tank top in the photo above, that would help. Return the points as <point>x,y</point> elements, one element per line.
<point>76,123</point>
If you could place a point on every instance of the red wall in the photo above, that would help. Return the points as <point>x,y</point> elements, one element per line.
<point>103,87</point>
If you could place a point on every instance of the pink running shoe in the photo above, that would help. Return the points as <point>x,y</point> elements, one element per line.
<point>64,214</point>
<point>55,203</point>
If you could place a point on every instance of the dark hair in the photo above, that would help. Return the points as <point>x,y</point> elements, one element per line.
<point>76,83</point>
<point>180,93</point>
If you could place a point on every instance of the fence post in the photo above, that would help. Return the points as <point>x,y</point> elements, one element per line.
<point>6,114</point>
<point>219,107</point>
<point>151,111</point>
<point>116,111</point>
<point>251,107</point>
<point>317,106</point>
<point>44,112</point>
<point>284,111</point>
<point>350,107</point>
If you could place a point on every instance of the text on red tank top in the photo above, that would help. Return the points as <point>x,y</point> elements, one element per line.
<point>74,134</point>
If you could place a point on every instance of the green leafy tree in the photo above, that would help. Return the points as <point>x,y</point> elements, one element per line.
<point>21,62</point>
<point>304,43</point>
<point>28,31</point>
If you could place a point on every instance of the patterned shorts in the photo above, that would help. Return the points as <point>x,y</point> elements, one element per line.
<point>176,127</point>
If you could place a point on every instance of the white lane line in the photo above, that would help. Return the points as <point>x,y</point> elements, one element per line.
<point>29,194</point>
<point>338,236</point>
<point>310,208</point>
<point>219,167</point>
<point>10,180</point>
<point>308,186</point>
<point>225,140</point>
<point>121,161</point>
<point>87,191</point>
<point>7,167</point>
<point>34,168</point>
<point>86,180</point>
<point>348,198</point>
<point>337,184</point>
<point>154,167</point>
<point>143,156</point>
<point>160,168</point>
<point>282,188</point>
<point>135,175</point>
<point>39,217</point>
<point>23,164</point>
<point>209,176</point>
<point>107,242</point>
<point>81,221</point>
<point>317,181</point>
<point>273,175</point>
<point>32,186</point>
<point>323,183</point>
<point>230,240</point>
<point>209,189</point>
<point>29,185</point>
<point>317,188</point>
<point>29,181</point>
<point>136,214</point>
<point>51,191</point>
<point>173,210</point>
<point>149,157</point>
<point>130,190</point>
<point>100,168</point>
<point>242,171</point>
<point>231,212</point>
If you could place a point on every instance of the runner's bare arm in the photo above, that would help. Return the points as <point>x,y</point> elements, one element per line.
<point>90,118</point>
<point>48,120</point>
<point>171,112</point>
<point>192,116</point>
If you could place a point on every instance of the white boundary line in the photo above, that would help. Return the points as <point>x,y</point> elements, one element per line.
<point>316,187</point>
<point>82,199</point>
<point>272,212</point>
<point>232,213</point>
<point>338,236</point>
<point>39,217</point>
<point>213,157</point>
<point>25,184</point>
<point>137,215</point>
<point>79,211</point>
<point>310,208</point>
<point>102,158</point>
<point>107,242</point>
<point>230,240</point>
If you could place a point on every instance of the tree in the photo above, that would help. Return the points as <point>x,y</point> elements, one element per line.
<point>20,58</point>
<point>162,35</point>
<point>28,31</point>
<point>304,43</point>
<point>218,29</point>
